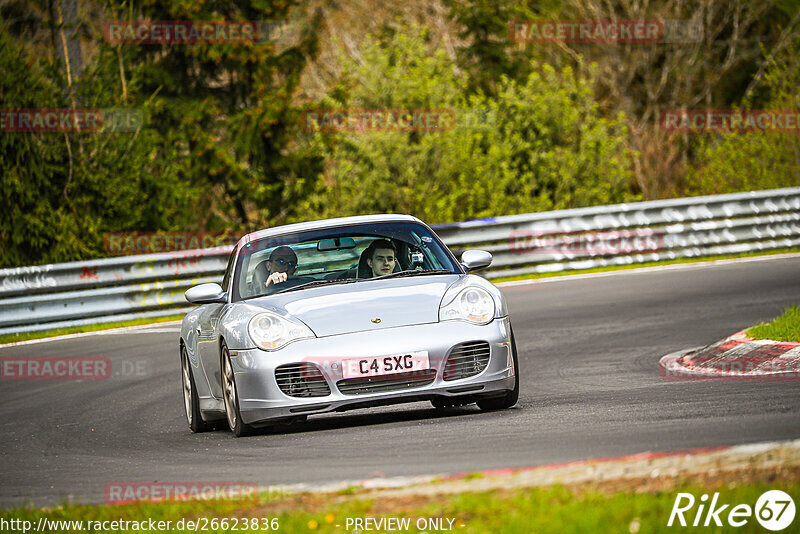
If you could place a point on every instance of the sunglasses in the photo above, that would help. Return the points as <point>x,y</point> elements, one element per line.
<point>281,261</point>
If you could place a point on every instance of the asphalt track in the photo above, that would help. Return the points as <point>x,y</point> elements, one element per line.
<point>589,351</point>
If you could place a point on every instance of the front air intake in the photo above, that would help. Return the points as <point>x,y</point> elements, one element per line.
<point>380,384</point>
<point>301,380</point>
<point>467,359</point>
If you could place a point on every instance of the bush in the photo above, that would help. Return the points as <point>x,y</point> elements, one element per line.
<point>539,145</point>
<point>734,162</point>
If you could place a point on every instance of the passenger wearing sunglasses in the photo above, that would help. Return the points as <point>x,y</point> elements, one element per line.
<point>282,263</point>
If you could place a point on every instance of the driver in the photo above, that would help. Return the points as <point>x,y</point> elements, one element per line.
<point>381,257</point>
<point>281,263</point>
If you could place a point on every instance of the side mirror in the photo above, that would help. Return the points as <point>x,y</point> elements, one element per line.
<point>206,294</point>
<point>474,260</point>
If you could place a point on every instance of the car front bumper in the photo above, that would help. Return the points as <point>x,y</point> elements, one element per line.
<point>261,399</point>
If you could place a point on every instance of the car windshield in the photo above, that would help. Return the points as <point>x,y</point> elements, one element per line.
<point>339,255</point>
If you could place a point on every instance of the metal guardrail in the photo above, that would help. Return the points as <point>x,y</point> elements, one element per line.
<point>117,289</point>
<point>669,229</point>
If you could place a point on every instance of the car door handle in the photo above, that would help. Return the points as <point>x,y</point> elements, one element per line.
<point>197,330</point>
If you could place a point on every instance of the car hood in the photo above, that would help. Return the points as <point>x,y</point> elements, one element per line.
<point>365,305</point>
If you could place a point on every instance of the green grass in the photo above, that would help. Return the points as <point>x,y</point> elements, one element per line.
<point>783,328</point>
<point>25,336</point>
<point>550,509</point>
<point>646,264</point>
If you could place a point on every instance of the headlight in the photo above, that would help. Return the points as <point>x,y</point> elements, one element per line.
<point>472,304</point>
<point>270,331</point>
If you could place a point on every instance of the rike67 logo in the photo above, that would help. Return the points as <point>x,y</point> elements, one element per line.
<point>774,510</point>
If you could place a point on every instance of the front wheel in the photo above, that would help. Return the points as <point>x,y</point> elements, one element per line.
<point>191,402</point>
<point>509,399</point>
<point>231,396</point>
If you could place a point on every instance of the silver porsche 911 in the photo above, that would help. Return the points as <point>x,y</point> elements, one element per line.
<point>341,314</point>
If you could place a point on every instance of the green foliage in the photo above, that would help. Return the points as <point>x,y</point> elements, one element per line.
<point>28,164</point>
<point>61,191</point>
<point>539,145</point>
<point>489,53</point>
<point>746,161</point>
<point>222,144</point>
<point>228,110</point>
<point>212,152</point>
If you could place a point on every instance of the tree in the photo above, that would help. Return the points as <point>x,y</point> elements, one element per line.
<point>62,190</point>
<point>228,107</point>
<point>746,161</point>
<point>213,150</point>
<point>707,58</point>
<point>488,53</point>
<point>540,144</point>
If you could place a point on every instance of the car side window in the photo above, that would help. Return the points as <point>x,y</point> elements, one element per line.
<point>226,280</point>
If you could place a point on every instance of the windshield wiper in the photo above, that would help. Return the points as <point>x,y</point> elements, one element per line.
<point>413,272</point>
<point>317,283</point>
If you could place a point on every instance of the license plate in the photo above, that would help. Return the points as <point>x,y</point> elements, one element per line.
<point>385,365</point>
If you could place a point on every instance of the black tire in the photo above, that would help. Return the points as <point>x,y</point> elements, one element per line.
<point>231,396</point>
<point>509,399</point>
<point>191,402</point>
